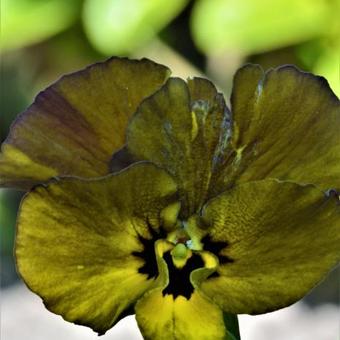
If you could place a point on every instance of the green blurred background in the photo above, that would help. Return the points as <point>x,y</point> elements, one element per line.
<point>43,39</point>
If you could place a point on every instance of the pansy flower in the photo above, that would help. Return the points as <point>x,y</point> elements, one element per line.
<point>156,199</point>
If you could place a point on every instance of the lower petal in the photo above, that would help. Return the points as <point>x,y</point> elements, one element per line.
<point>162,317</point>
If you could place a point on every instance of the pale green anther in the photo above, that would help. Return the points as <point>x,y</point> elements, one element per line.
<point>180,251</point>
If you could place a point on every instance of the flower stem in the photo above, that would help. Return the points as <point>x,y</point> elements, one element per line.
<point>231,322</point>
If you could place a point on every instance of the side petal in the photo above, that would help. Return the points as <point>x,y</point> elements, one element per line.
<point>280,240</point>
<point>161,317</point>
<point>286,125</point>
<point>75,125</point>
<point>179,128</point>
<point>77,242</point>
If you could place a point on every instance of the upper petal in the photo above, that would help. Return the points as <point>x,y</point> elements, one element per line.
<point>280,239</point>
<point>286,125</point>
<point>180,128</point>
<point>75,125</point>
<point>78,242</point>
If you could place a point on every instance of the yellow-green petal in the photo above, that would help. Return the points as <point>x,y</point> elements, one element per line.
<point>162,314</point>
<point>163,318</point>
<point>77,240</point>
<point>75,125</point>
<point>180,128</point>
<point>285,125</point>
<point>280,238</point>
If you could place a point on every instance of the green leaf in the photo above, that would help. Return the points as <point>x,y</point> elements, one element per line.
<point>118,27</point>
<point>24,22</point>
<point>230,336</point>
<point>328,66</point>
<point>231,322</point>
<point>9,201</point>
<point>322,57</point>
<point>252,26</point>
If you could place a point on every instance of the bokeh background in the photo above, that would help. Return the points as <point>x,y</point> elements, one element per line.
<point>44,39</point>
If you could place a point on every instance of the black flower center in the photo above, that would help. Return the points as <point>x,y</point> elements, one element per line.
<point>179,277</point>
<point>216,247</point>
<point>149,266</point>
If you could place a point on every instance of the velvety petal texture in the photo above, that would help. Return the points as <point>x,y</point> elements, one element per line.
<point>286,125</point>
<point>75,125</point>
<point>163,318</point>
<point>77,238</point>
<point>218,212</point>
<point>182,128</point>
<point>280,238</point>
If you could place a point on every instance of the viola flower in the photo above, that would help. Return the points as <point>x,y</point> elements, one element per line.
<point>215,211</point>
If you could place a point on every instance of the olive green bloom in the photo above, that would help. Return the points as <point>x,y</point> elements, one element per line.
<point>215,211</point>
